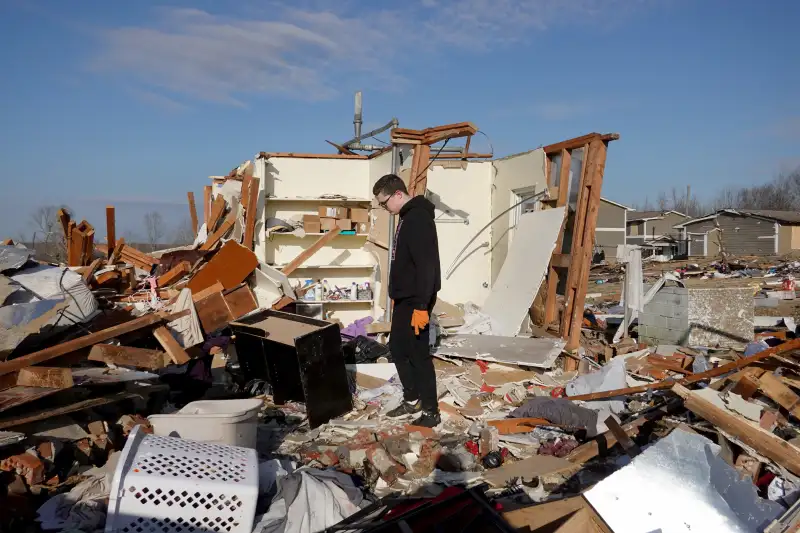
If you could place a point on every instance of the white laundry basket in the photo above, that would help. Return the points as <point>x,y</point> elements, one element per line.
<point>172,485</point>
<point>231,422</point>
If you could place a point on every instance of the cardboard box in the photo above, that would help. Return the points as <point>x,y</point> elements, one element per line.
<point>327,223</point>
<point>344,224</point>
<point>362,228</point>
<point>359,214</point>
<point>311,224</point>
<point>328,211</point>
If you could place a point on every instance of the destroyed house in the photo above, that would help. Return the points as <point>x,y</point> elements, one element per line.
<point>612,220</point>
<point>742,232</point>
<point>655,231</point>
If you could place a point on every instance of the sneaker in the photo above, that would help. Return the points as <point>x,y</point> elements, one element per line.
<point>404,409</point>
<point>428,420</point>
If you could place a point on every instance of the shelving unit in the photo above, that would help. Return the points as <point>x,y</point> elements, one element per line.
<point>290,234</point>
<point>352,302</point>
<point>318,200</point>
<point>329,267</point>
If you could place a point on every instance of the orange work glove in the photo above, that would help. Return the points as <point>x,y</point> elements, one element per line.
<point>419,319</point>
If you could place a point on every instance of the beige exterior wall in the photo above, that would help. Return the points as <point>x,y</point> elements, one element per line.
<point>795,237</point>
<point>521,171</point>
<point>785,235</point>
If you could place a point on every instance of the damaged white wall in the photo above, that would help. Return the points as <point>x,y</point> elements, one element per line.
<point>513,175</point>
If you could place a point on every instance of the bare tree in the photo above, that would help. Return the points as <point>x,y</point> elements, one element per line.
<point>47,231</point>
<point>154,226</point>
<point>184,233</point>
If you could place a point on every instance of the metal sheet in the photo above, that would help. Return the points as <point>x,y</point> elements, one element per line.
<point>539,353</point>
<point>12,257</point>
<point>677,485</point>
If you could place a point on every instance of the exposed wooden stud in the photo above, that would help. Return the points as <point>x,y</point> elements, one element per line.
<point>310,251</point>
<point>43,376</point>
<point>217,210</point>
<point>206,204</point>
<point>192,212</point>
<point>420,183</point>
<point>577,142</point>
<point>778,392</point>
<point>118,249</point>
<point>129,356</point>
<point>174,274</point>
<point>110,229</point>
<point>223,230</point>
<point>251,214</point>
<point>174,350</point>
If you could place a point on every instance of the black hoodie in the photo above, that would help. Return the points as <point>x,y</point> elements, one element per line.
<point>415,275</point>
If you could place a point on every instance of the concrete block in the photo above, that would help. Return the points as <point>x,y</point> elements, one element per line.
<point>656,320</point>
<point>677,324</point>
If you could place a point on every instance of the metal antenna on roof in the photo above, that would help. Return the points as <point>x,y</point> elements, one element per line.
<point>357,118</point>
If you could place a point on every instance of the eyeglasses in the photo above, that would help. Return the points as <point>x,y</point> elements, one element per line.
<point>383,203</point>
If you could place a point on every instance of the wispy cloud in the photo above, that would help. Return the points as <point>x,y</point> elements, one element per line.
<point>157,100</point>
<point>306,52</point>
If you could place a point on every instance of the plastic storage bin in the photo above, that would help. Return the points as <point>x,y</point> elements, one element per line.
<point>231,422</point>
<point>171,485</point>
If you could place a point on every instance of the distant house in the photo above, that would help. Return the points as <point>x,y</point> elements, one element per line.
<point>656,230</point>
<point>742,232</point>
<point>612,219</point>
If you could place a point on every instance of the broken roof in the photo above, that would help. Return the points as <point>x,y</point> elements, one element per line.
<point>637,216</point>
<point>784,217</point>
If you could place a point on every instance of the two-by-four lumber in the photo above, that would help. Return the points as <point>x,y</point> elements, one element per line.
<point>251,214</point>
<point>694,378</point>
<point>244,195</point>
<point>217,210</point>
<point>223,230</point>
<point>577,142</point>
<point>306,254</point>
<point>129,356</point>
<point>174,274</point>
<point>111,225</point>
<point>44,376</point>
<point>550,310</point>
<point>91,269</point>
<point>419,181</point>
<point>206,204</point>
<point>192,211</point>
<point>765,443</point>
<point>64,219</point>
<point>778,392</point>
<point>113,258</point>
<point>174,350</point>
<point>88,340</point>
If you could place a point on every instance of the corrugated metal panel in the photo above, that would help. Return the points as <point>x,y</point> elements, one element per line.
<point>740,234</point>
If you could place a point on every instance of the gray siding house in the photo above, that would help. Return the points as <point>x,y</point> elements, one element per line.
<point>610,231</point>
<point>753,232</point>
<point>655,230</point>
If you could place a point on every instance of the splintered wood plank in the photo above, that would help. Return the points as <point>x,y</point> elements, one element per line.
<point>111,229</point>
<point>241,301</point>
<point>129,356</point>
<point>70,346</point>
<point>64,219</point>
<point>245,191</point>
<point>118,249</point>
<point>230,266</point>
<point>192,211</point>
<point>412,182</point>
<point>174,274</point>
<point>306,254</point>
<point>88,248</point>
<point>777,391</point>
<point>42,376</point>
<point>206,203</point>
<point>217,210</point>
<point>213,312</point>
<point>74,245</point>
<point>217,236</point>
<point>764,442</point>
<point>199,295</point>
<point>174,350</point>
<point>251,214</point>
<point>511,426</point>
<point>89,274</point>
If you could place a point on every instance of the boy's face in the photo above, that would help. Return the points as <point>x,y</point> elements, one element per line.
<point>390,202</point>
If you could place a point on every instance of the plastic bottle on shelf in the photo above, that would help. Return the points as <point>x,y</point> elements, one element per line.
<point>319,292</point>
<point>326,290</point>
<point>354,291</point>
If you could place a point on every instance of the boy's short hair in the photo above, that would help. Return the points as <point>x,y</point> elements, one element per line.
<point>388,185</point>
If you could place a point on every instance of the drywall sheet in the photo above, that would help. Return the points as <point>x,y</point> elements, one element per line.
<point>525,351</point>
<point>523,270</point>
<point>685,470</point>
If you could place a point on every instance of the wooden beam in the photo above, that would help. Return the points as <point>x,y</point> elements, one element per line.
<point>174,274</point>
<point>75,245</point>
<point>778,392</point>
<point>89,274</point>
<point>199,295</point>
<point>694,378</point>
<point>561,260</point>
<point>206,203</point>
<point>420,183</point>
<point>622,437</point>
<point>217,210</point>
<point>118,248</point>
<point>251,214</point>
<point>267,155</point>
<point>512,426</point>
<point>223,230</point>
<point>577,142</point>
<point>64,219</point>
<point>43,376</point>
<point>192,212</point>
<point>244,196</point>
<point>174,350</point>
<point>129,356</point>
<point>70,346</point>
<point>111,226</point>
<point>765,443</point>
<point>341,149</point>
<point>311,250</point>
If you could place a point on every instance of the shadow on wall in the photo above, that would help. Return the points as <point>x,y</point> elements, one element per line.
<point>441,206</point>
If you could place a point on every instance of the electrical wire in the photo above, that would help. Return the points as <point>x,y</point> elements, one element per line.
<point>380,141</point>
<point>432,159</point>
<point>491,146</point>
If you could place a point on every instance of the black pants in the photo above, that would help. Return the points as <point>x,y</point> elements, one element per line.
<point>412,357</point>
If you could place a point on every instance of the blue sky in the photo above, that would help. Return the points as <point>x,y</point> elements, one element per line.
<point>137,103</point>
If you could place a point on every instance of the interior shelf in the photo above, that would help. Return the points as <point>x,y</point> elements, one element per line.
<point>328,267</point>
<point>318,199</point>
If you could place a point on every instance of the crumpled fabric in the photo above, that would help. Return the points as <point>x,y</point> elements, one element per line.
<point>83,508</point>
<point>558,411</point>
<point>310,500</point>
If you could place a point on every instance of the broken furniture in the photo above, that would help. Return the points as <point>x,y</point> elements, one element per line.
<point>300,357</point>
<point>164,484</point>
